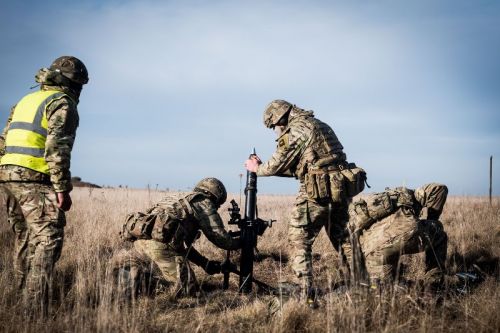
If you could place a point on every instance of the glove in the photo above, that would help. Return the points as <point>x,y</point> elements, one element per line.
<point>228,266</point>
<point>213,267</point>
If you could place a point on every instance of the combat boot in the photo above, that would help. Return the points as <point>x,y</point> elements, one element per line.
<point>435,280</point>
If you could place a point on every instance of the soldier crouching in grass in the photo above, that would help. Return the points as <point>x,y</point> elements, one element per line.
<point>163,239</point>
<point>396,222</point>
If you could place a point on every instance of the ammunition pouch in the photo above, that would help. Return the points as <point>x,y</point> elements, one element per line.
<point>324,186</point>
<point>359,218</point>
<point>401,196</point>
<point>334,183</point>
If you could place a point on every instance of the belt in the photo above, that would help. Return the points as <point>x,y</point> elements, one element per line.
<point>330,168</point>
<point>44,182</point>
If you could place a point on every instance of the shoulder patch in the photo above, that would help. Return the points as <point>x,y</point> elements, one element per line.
<point>283,142</point>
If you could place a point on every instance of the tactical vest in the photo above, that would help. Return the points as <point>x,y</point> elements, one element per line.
<point>27,133</point>
<point>167,221</point>
<point>363,213</point>
<point>323,149</point>
<point>322,166</point>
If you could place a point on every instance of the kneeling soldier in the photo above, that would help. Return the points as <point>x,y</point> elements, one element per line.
<point>163,236</point>
<point>396,222</point>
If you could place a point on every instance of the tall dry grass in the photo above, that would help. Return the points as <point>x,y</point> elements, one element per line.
<point>83,301</point>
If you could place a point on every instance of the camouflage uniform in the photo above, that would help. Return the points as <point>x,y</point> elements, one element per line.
<point>308,145</point>
<point>411,228</point>
<point>178,220</point>
<point>30,197</point>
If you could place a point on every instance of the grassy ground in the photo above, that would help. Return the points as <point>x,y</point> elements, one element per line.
<point>83,299</point>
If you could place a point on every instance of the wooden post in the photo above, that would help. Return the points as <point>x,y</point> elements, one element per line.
<point>491,177</point>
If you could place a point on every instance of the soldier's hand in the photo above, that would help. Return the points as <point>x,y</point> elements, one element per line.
<point>253,163</point>
<point>228,266</point>
<point>64,201</point>
<point>213,267</point>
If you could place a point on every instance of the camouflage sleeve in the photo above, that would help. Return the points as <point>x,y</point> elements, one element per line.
<point>212,226</point>
<point>196,257</point>
<point>4,133</point>
<point>63,121</point>
<point>290,146</point>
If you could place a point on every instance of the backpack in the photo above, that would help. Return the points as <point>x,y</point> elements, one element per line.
<point>366,211</point>
<point>137,226</point>
<point>160,222</point>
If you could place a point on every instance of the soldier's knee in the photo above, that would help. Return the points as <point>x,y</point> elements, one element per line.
<point>48,248</point>
<point>296,235</point>
<point>302,268</point>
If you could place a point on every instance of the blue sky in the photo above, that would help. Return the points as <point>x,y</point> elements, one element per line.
<point>177,88</point>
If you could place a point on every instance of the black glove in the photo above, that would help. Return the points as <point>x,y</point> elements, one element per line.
<point>213,267</point>
<point>228,266</point>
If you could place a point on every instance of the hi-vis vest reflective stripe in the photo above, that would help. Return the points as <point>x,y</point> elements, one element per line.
<point>25,140</point>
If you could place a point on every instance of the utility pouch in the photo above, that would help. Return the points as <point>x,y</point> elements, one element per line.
<point>336,186</point>
<point>359,218</point>
<point>354,178</point>
<point>137,226</point>
<point>164,228</point>
<point>318,185</point>
<point>311,187</point>
<point>405,197</point>
<point>380,205</point>
<point>323,184</point>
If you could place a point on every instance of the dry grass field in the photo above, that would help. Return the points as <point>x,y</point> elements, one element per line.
<point>83,299</point>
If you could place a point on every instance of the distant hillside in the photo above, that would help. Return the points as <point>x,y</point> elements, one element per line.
<point>77,182</point>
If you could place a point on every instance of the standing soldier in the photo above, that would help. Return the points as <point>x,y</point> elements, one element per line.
<point>34,171</point>
<point>395,222</point>
<point>309,150</point>
<point>163,238</point>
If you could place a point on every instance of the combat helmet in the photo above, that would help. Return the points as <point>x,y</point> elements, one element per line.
<point>275,111</point>
<point>214,188</point>
<point>71,68</point>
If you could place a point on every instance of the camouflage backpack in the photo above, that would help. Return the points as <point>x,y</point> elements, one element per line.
<point>366,211</point>
<point>160,222</point>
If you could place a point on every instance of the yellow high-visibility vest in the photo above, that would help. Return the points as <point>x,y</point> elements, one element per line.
<point>25,139</point>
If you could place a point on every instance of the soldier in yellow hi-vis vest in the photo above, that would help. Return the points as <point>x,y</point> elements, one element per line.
<point>35,149</point>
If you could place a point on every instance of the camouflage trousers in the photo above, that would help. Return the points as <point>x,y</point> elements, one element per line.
<point>433,197</point>
<point>401,233</point>
<point>307,220</point>
<point>149,261</point>
<point>38,226</point>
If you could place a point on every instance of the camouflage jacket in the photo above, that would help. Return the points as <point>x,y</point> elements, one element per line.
<point>305,142</point>
<point>63,120</point>
<point>185,215</point>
